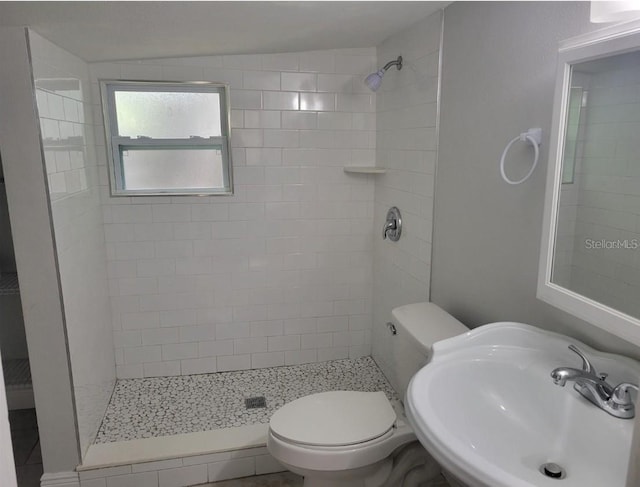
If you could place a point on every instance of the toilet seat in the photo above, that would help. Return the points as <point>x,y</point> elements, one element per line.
<point>335,418</point>
<point>392,432</point>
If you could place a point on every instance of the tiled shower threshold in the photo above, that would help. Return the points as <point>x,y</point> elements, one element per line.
<point>220,444</point>
<point>168,417</point>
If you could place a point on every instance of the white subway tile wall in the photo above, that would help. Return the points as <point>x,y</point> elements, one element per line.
<point>206,284</point>
<point>406,147</point>
<point>67,127</point>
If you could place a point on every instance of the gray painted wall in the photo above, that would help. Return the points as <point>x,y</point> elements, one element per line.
<point>499,68</point>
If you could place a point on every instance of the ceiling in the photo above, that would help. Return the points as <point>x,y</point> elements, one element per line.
<point>102,31</point>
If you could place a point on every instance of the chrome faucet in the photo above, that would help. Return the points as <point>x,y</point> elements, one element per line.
<point>594,387</point>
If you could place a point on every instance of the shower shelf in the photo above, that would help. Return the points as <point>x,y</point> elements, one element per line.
<point>9,284</point>
<point>364,170</point>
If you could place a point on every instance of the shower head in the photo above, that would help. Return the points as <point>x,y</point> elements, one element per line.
<point>374,80</point>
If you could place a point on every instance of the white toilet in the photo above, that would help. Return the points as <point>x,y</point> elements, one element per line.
<point>360,439</point>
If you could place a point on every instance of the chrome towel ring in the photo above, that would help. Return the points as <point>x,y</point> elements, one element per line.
<point>534,137</point>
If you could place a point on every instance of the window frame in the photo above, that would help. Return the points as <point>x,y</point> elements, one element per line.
<point>114,142</point>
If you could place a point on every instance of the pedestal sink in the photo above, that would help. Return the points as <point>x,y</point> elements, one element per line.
<point>488,411</point>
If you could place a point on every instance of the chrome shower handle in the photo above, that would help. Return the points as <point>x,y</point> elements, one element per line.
<point>393,225</point>
<point>388,225</point>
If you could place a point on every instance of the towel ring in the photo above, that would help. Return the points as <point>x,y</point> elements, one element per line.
<point>533,136</point>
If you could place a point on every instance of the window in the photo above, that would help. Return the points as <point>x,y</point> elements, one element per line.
<point>167,138</point>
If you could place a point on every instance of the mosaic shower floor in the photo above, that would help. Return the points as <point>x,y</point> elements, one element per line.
<point>161,406</point>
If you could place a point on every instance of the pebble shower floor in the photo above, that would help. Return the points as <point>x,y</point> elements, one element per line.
<point>162,406</point>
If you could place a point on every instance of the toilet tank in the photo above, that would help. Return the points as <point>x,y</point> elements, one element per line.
<point>418,326</point>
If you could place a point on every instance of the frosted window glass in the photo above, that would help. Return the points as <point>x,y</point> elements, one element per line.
<point>172,168</point>
<point>167,114</point>
<point>167,138</point>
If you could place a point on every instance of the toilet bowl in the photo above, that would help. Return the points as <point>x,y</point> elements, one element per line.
<point>339,438</point>
<point>361,439</point>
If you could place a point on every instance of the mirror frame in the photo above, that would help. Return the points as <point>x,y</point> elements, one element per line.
<point>617,39</point>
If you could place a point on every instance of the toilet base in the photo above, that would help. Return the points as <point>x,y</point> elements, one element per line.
<point>370,476</point>
<point>412,467</point>
<point>453,481</point>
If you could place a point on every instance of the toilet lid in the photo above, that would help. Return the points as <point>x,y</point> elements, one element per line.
<point>334,418</point>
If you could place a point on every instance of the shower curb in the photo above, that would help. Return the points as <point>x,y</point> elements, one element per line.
<point>60,479</point>
<point>182,471</point>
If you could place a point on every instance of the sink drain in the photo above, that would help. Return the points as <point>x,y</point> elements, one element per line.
<point>552,470</point>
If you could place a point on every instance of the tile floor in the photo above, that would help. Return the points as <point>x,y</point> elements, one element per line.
<point>144,408</point>
<point>26,447</point>
<point>284,479</point>
<point>288,479</point>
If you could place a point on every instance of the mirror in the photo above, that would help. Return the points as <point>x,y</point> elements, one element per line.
<point>590,254</point>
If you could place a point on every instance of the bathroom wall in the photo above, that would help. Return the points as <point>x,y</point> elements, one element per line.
<point>499,68</point>
<point>66,120</point>
<point>406,143</point>
<point>279,273</point>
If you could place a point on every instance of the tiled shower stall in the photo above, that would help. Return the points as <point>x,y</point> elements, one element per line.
<point>276,276</point>
<point>280,272</point>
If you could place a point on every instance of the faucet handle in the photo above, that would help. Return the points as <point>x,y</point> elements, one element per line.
<point>393,225</point>
<point>621,394</point>
<point>388,225</point>
<point>586,365</point>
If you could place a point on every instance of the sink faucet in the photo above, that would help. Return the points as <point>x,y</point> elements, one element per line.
<point>594,387</point>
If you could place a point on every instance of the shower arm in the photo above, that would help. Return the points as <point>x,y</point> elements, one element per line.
<point>397,62</point>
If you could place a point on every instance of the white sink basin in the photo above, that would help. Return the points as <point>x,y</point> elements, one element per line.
<point>488,411</point>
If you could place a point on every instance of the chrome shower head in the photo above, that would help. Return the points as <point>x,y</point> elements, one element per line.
<point>374,80</point>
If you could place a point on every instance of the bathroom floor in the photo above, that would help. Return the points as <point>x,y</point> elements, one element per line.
<point>284,479</point>
<point>288,479</point>
<point>162,406</point>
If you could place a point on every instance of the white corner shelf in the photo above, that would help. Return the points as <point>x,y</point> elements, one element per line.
<point>364,170</point>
